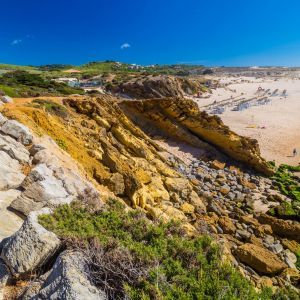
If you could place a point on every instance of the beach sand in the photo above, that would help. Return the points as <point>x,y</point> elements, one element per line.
<point>280,118</point>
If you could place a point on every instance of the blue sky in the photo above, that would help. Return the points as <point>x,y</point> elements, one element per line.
<point>210,32</point>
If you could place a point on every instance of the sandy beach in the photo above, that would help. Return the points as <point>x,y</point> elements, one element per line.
<point>273,117</point>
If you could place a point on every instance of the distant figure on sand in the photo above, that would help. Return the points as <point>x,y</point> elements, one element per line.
<point>294,152</point>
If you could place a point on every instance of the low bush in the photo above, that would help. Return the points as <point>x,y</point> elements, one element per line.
<point>289,185</point>
<point>51,107</point>
<point>22,83</point>
<point>129,256</point>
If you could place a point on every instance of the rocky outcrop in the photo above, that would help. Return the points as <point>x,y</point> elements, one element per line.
<point>14,149</point>
<point>181,118</point>
<point>159,86</point>
<point>41,188</point>
<point>260,259</point>
<point>130,156</point>
<point>206,195</point>
<point>281,227</point>
<point>68,280</point>
<point>9,221</point>
<point>30,247</point>
<point>18,131</point>
<point>11,176</point>
<point>4,277</point>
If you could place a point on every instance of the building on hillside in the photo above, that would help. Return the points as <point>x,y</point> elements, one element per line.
<point>134,67</point>
<point>72,82</point>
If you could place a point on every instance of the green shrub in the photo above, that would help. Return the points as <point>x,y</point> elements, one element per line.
<point>288,185</point>
<point>128,254</point>
<point>51,107</point>
<point>62,144</point>
<point>23,84</point>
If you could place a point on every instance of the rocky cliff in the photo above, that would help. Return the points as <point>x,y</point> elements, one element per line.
<point>101,148</point>
<point>159,86</point>
<point>181,118</point>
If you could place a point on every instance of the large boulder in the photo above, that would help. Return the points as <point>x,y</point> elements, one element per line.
<point>68,280</point>
<point>10,172</point>
<point>281,227</point>
<point>42,189</point>
<point>30,247</point>
<point>18,131</point>
<point>260,259</point>
<point>181,190</point>
<point>14,149</point>
<point>227,225</point>
<point>9,221</point>
<point>62,165</point>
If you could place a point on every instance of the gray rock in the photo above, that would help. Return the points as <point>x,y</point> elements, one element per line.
<point>239,196</point>
<point>9,221</point>
<point>214,207</point>
<point>231,195</point>
<point>68,280</point>
<point>4,275</point>
<point>14,149</point>
<point>11,176</point>
<point>246,190</point>
<point>290,255</point>
<point>276,248</point>
<point>2,119</point>
<point>30,247</point>
<point>243,234</point>
<point>269,239</point>
<point>219,229</point>
<point>72,180</point>
<point>42,189</point>
<point>290,263</point>
<point>18,131</point>
<point>239,187</point>
<point>6,99</point>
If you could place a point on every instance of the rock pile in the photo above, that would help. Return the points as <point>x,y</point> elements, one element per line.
<point>237,203</point>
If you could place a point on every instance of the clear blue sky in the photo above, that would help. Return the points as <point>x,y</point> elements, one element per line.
<point>210,32</point>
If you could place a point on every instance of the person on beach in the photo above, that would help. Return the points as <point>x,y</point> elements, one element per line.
<point>294,152</point>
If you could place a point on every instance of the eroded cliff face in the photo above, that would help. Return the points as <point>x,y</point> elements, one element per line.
<point>181,118</point>
<point>108,137</point>
<point>115,153</point>
<point>159,86</point>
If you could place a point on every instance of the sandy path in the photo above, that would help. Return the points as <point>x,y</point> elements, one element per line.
<point>281,117</point>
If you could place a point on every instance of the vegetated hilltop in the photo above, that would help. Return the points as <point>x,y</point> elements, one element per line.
<point>126,146</point>
<point>24,84</point>
<point>124,79</point>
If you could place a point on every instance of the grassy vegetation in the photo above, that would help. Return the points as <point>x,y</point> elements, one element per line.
<point>10,91</point>
<point>22,84</point>
<point>51,107</point>
<point>128,255</point>
<point>289,185</point>
<point>8,67</point>
<point>298,260</point>
<point>62,144</point>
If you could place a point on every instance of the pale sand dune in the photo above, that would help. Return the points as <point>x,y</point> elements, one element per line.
<point>281,117</point>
